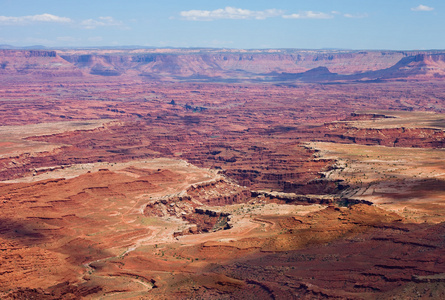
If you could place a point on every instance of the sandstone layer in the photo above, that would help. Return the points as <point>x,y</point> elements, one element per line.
<point>224,66</point>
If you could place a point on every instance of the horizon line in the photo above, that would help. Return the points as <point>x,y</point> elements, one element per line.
<point>136,47</point>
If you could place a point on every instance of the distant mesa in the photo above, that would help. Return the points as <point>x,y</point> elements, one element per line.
<point>417,66</point>
<point>315,74</point>
<point>318,71</point>
<point>226,65</point>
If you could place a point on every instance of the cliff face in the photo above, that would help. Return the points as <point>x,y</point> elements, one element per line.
<point>35,63</point>
<point>27,53</point>
<point>430,64</point>
<point>222,64</point>
<point>419,65</point>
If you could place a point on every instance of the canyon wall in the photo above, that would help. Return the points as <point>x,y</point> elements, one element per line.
<point>220,64</point>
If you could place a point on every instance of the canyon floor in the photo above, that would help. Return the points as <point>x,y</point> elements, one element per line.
<point>123,187</point>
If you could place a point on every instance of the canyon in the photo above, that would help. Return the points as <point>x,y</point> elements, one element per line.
<point>219,173</point>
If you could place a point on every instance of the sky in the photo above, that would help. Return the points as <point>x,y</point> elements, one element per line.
<point>241,24</point>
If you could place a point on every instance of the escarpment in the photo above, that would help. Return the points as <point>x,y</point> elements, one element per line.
<point>213,65</point>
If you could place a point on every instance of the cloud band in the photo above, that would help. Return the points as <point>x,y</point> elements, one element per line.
<point>4,20</point>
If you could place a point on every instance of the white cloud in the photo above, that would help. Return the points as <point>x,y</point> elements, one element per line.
<point>246,14</point>
<point>229,13</point>
<point>309,15</point>
<point>49,18</point>
<point>422,8</point>
<point>100,22</point>
<point>5,20</point>
<point>356,16</point>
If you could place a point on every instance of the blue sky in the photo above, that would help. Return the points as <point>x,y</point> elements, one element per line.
<point>304,24</point>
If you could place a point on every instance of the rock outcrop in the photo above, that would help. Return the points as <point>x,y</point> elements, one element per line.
<point>222,65</point>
